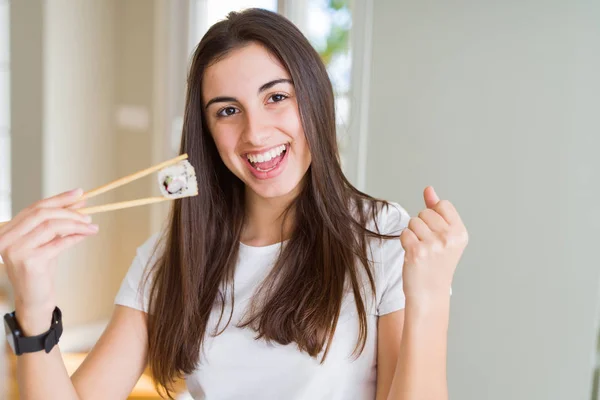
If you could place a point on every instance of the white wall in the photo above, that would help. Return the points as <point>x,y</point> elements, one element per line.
<point>79,141</point>
<point>76,65</point>
<point>495,104</point>
<point>134,89</point>
<point>26,101</point>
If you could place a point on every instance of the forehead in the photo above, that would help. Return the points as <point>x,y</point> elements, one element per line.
<point>243,70</point>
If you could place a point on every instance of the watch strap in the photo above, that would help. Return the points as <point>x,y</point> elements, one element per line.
<point>45,341</point>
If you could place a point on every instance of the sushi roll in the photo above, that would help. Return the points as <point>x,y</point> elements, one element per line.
<point>178,181</point>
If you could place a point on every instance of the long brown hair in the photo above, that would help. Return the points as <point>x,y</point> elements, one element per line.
<point>302,296</point>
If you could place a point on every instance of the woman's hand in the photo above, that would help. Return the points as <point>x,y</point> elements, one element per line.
<point>433,242</point>
<point>29,246</point>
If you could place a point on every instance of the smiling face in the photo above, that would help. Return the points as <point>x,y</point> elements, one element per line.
<point>252,114</point>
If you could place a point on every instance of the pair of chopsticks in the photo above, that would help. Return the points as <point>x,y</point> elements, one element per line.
<point>123,181</point>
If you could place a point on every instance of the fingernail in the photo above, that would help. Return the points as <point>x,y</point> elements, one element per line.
<point>93,227</point>
<point>77,192</point>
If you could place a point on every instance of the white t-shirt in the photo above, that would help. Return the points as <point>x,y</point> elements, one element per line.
<point>234,365</point>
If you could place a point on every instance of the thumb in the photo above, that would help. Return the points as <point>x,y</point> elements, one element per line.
<point>431,198</point>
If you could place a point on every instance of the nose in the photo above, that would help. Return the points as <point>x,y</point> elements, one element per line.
<point>256,132</point>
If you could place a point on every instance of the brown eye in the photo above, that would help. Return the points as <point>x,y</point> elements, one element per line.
<point>227,111</point>
<point>277,97</point>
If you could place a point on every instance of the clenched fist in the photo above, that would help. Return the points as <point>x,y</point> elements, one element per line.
<point>434,243</point>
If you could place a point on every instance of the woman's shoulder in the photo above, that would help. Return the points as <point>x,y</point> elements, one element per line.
<point>385,255</point>
<point>150,249</point>
<point>385,217</point>
<point>134,291</point>
<point>393,218</point>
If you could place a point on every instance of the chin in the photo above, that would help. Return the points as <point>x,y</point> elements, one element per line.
<point>275,190</point>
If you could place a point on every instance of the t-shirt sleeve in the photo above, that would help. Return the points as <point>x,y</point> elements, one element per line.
<point>135,288</point>
<point>390,292</point>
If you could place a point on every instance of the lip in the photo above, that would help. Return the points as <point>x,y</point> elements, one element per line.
<point>265,149</point>
<point>269,174</point>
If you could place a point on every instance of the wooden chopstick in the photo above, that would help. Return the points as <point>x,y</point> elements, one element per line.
<point>121,205</point>
<point>120,182</point>
<point>114,206</point>
<point>130,178</point>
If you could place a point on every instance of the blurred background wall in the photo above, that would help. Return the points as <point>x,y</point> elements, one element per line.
<point>493,103</point>
<point>496,105</point>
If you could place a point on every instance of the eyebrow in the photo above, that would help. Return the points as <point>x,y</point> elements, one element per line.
<point>266,86</point>
<point>269,85</point>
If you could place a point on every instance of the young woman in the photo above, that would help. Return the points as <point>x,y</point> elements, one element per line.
<point>280,280</point>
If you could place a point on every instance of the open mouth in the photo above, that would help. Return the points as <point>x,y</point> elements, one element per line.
<point>269,160</point>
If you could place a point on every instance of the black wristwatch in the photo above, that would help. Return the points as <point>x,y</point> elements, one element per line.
<point>21,344</point>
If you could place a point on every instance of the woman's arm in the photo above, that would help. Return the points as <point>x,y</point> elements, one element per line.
<point>29,245</point>
<point>419,347</point>
<point>110,371</point>
<point>117,361</point>
<point>433,243</point>
<point>389,340</point>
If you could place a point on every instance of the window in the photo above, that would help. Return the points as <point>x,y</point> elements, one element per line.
<point>327,26</point>
<point>5,207</point>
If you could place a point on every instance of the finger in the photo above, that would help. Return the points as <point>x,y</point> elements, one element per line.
<point>33,219</point>
<point>408,239</point>
<point>60,200</point>
<point>77,206</point>
<point>53,249</point>
<point>7,226</point>
<point>69,197</point>
<point>420,228</point>
<point>14,221</point>
<point>50,229</point>
<point>448,212</point>
<point>434,221</point>
<point>431,197</point>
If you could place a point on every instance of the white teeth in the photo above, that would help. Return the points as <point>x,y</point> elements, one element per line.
<point>266,156</point>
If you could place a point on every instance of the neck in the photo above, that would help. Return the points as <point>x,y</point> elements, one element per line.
<point>264,219</point>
